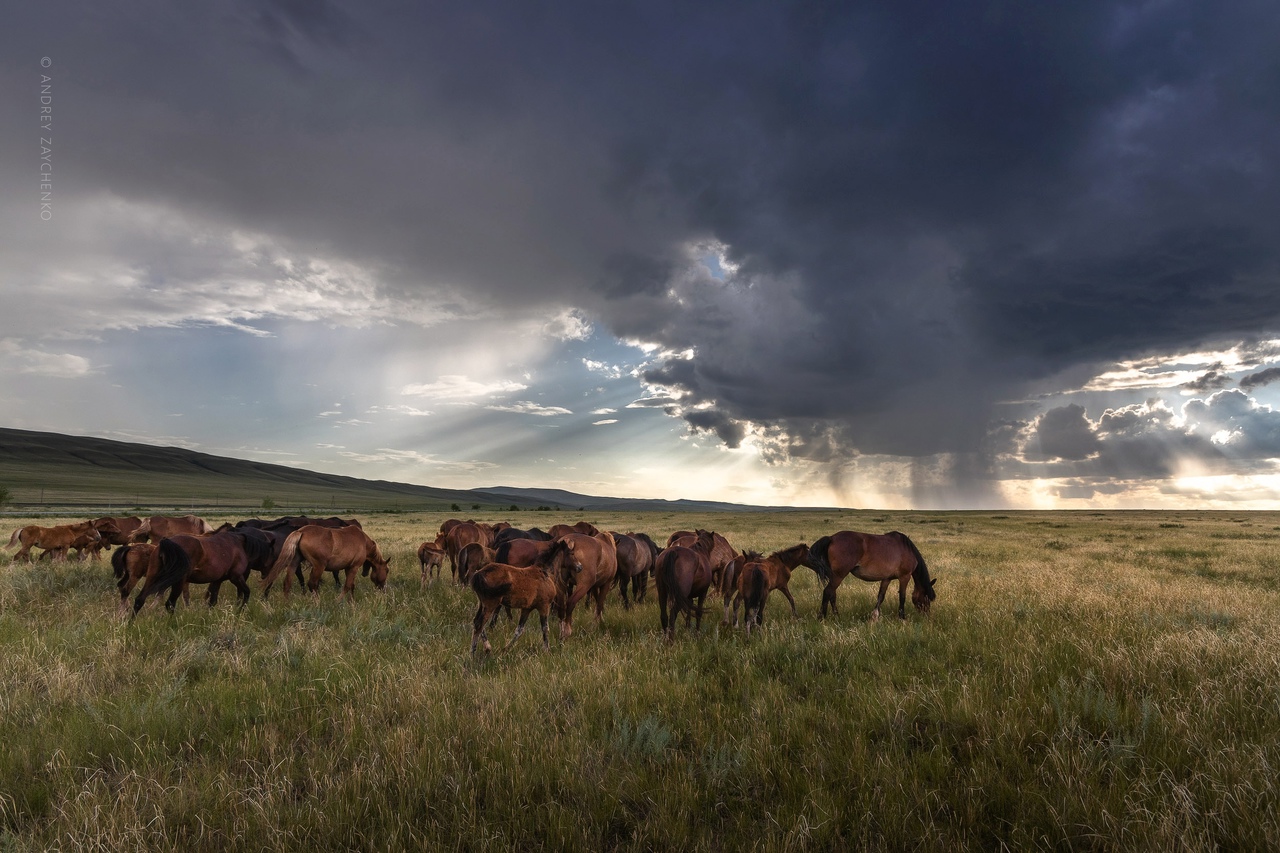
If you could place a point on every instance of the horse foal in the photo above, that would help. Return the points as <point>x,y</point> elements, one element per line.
<point>527,588</point>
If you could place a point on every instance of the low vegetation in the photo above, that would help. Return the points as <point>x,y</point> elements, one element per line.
<point>1085,681</point>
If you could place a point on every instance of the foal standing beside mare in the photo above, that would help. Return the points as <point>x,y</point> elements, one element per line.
<point>527,588</point>
<point>872,557</point>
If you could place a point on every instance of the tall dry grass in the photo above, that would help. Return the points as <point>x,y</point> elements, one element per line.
<point>1086,681</point>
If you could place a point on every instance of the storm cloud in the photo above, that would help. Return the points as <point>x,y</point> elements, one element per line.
<point>841,230</point>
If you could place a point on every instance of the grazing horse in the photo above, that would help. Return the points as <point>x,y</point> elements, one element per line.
<point>210,559</point>
<point>57,539</point>
<point>872,557</point>
<point>471,558</point>
<point>683,576</point>
<point>636,555</point>
<point>430,558</point>
<point>159,527</point>
<point>129,563</point>
<point>594,562</point>
<point>329,549</point>
<point>777,568</point>
<point>527,588</point>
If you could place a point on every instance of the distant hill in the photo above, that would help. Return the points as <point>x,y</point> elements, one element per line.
<point>50,470</point>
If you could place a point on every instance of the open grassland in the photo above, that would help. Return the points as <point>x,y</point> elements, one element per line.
<point>1086,681</point>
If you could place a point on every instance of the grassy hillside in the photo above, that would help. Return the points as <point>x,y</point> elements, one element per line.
<point>50,470</point>
<point>1095,681</point>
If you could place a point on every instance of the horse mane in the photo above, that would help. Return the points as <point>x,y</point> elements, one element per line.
<point>921,573</point>
<point>752,557</point>
<point>649,543</point>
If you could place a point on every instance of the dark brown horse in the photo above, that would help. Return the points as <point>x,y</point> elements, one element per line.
<point>777,568</point>
<point>722,553</point>
<point>636,556</point>
<point>872,557</point>
<point>342,549</point>
<point>184,559</point>
<point>682,575</point>
<point>527,588</point>
<point>753,587</point>
<point>521,552</point>
<point>594,563</point>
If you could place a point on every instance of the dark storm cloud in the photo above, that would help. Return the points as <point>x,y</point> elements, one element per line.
<point>925,208</point>
<point>1259,379</point>
<point>1065,433</point>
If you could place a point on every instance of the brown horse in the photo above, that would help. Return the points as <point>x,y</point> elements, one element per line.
<point>342,549</point>
<point>521,552</point>
<point>722,553</point>
<point>594,563</point>
<point>129,563</point>
<point>528,588</point>
<point>185,559</point>
<point>472,557</point>
<point>430,558</point>
<point>159,527</point>
<point>753,588</point>
<point>682,575</point>
<point>57,538</point>
<point>636,555</point>
<point>88,543</point>
<point>458,537</point>
<point>116,529</point>
<point>777,568</point>
<point>586,528</point>
<point>872,557</point>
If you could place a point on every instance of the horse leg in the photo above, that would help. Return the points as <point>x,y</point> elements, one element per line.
<point>601,593</point>
<point>698,609</point>
<point>546,640</point>
<point>829,598</point>
<point>622,591</point>
<point>477,629</point>
<point>524,614</point>
<point>787,593</point>
<point>349,588</point>
<point>178,589</point>
<point>639,584</point>
<point>884,587</point>
<point>662,609</point>
<point>212,596</point>
<point>902,597</point>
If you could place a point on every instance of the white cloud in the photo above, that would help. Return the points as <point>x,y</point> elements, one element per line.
<point>525,407</point>
<point>568,325</point>
<point>454,386</point>
<point>605,421</point>
<point>20,359</point>
<point>604,411</point>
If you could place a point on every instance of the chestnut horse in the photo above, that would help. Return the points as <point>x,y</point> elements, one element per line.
<point>636,556</point>
<point>521,552</point>
<point>430,558</point>
<point>872,557</point>
<point>593,561</point>
<point>342,549</point>
<point>586,528</point>
<point>185,559</point>
<point>472,557</point>
<point>129,563</point>
<point>777,568</point>
<point>159,527</point>
<point>682,575</point>
<point>57,538</point>
<point>722,553</point>
<point>528,588</point>
<point>116,529</point>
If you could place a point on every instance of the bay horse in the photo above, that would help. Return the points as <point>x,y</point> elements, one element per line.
<point>430,558</point>
<point>472,557</point>
<point>116,529</point>
<point>722,553</point>
<point>636,556</point>
<point>594,563</point>
<point>872,557</point>
<point>458,537</point>
<point>754,590</point>
<point>129,564</point>
<point>586,528</point>
<point>185,559</point>
<point>777,569</point>
<point>521,552</point>
<point>342,549</point>
<point>528,588</point>
<point>682,575</point>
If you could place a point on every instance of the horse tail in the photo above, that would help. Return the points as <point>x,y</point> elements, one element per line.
<point>756,586</point>
<point>481,587</point>
<point>13,540</point>
<point>287,561</point>
<point>119,561</point>
<point>921,573</point>
<point>174,564</point>
<point>257,549</point>
<point>818,557</point>
<point>666,572</point>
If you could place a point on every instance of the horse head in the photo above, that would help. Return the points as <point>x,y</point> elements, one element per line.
<point>379,567</point>
<point>923,595</point>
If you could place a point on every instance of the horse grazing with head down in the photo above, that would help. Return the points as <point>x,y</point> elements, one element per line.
<point>327,549</point>
<point>872,557</point>
<point>636,556</point>
<point>682,575</point>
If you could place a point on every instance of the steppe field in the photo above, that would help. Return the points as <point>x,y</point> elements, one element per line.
<point>1099,681</point>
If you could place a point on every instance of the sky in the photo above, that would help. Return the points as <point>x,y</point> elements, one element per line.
<point>892,255</point>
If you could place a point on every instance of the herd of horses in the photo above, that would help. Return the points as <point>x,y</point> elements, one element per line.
<point>508,569</point>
